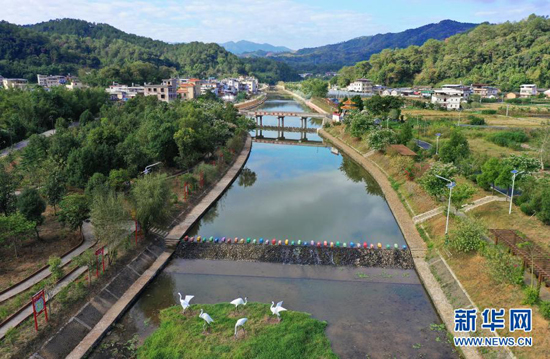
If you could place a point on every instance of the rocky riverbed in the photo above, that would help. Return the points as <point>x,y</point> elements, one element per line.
<point>359,257</point>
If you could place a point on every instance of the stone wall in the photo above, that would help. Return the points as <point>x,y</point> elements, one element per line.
<point>360,257</point>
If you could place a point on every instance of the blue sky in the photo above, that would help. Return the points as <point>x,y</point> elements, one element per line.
<point>292,23</point>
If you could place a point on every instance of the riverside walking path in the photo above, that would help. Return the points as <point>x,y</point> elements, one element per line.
<point>414,241</point>
<point>89,241</point>
<point>89,335</point>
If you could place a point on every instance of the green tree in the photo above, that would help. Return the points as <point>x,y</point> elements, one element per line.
<point>54,264</point>
<point>33,156</point>
<point>31,205</point>
<point>381,106</point>
<point>118,179</point>
<point>461,194</point>
<point>405,133</point>
<point>7,192</point>
<point>88,259</point>
<point>436,186</point>
<point>54,187</point>
<point>490,171</point>
<point>109,219</point>
<point>74,210</point>
<point>455,148</point>
<point>14,229</point>
<point>315,87</point>
<point>381,138</point>
<point>85,118</point>
<point>151,200</point>
<point>360,123</point>
<point>468,236</point>
<point>98,182</point>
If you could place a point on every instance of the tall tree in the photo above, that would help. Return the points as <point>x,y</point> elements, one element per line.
<point>455,148</point>
<point>7,192</point>
<point>151,199</point>
<point>54,187</point>
<point>74,210</point>
<point>31,205</point>
<point>14,229</point>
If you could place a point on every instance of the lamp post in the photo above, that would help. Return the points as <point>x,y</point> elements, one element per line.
<point>450,186</point>
<point>514,173</point>
<point>437,143</point>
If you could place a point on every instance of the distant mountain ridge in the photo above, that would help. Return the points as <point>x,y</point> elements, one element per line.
<point>335,56</point>
<point>243,46</point>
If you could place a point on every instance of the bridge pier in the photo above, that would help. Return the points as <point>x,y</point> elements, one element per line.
<point>303,123</point>
<point>259,119</point>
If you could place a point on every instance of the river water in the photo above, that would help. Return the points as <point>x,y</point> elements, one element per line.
<point>304,193</point>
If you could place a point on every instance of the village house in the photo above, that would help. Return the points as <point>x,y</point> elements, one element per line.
<point>361,85</point>
<point>15,83</point>
<point>164,92</point>
<point>484,91</point>
<point>528,90</point>
<point>51,80</point>
<point>124,93</point>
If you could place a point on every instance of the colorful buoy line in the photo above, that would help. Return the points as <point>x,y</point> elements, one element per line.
<point>286,242</point>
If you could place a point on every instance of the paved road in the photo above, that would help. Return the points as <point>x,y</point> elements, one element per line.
<point>89,240</point>
<point>22,144</point>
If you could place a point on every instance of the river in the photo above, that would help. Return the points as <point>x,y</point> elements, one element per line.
<point>304,193</point>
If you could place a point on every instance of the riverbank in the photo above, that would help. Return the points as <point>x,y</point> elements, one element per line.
<point>308,103</point>
<point>359,257</point>
<point>127,298</point>
<point>414,240</point>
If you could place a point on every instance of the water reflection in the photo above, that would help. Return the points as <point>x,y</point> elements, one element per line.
<point>247,178</point>
<point>358,174</point>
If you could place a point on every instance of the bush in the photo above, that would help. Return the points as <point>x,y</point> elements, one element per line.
<point>476,121</point>
<point>55,268</point>
<point>511,139</point>
<point>468,237</point>
<point>488,112</point>
<point>454,149</point>
<point>379,139</point>
<point>545,309</point>
<point>504,267</point>
<point>434,185</point>
<point>531,296</point>
<point>210,172</point>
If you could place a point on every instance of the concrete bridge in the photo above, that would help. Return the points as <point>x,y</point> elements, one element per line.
<point>285,141</point>
<point>286,129</point>
<point>258,115</point>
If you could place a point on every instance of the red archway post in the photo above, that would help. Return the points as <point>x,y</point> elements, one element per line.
<point>39,306</point>
<point>185,191</point>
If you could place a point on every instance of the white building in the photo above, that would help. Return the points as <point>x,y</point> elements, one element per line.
<point>449,99</point>
<point>124,93</point>
<point>361,85</point>
<point>528,90</point>
<point>485,91</point>
<point>15,83</point>
<point>248,84</point>
<point>51,80</point>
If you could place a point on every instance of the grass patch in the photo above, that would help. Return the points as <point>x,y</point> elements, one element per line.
<point>181,336</point>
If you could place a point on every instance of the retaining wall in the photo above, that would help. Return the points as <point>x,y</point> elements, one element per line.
<point>360,257</point>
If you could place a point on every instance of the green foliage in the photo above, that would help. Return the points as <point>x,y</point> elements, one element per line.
<point>468,236</point>
<point>523,163</point>
<point>54,264</point>
<point>210,173</point>
<point>490,171</point>
<point>108,218</point>
<point>487,112</point>
<point>476,121</point>
<point>381,106</point>
<point>535,197</point>
<point>461,194</point>
<point>74,210</point>
<point>507,54</point>
<point>31,205</point>
<point>545,309</point>
<point>511,139</point>
<point>379,139</point>
<point>436,186</point>
<point>531,295</point>
<point>315,87</point>
<point>119,179</point>
<point>8,185</point>
<point>298,335</point>
<point>405,133</point>
<point>454,149</point>
<point>54,187</point>
<point>360,123</point>
<point>503,266</point>
<point>151,199</point>
<point>14,229</point>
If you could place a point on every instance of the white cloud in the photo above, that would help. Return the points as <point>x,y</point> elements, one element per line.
<point>285,22</point>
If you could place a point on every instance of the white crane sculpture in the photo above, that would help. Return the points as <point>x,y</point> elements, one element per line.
<point>239,301</point>
<point>207,319</point>
<point>185,302</point>
<point>277,309</point>
<point>240,323</point>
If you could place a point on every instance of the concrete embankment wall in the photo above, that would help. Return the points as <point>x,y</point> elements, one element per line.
<point>306,255</point>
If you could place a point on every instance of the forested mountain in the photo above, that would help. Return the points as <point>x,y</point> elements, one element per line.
<point>506,55</point>
<point>100,54</point>
<point>243,46</point>
<point>333,57</point>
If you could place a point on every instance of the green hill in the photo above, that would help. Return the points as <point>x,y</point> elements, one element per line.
<point>100,54</point>
<point>334,56</point>
<point>506,55</point>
